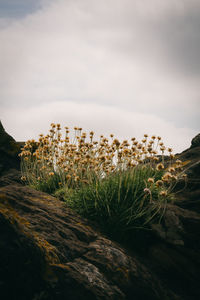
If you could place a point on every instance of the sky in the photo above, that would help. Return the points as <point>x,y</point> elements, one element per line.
<point>126,67</point>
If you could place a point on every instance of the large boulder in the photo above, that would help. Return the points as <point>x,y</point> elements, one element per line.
<point>49,252</point>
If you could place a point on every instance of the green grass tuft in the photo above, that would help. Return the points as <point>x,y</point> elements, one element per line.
<point>118,203</point>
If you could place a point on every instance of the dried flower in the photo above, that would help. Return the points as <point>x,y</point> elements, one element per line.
<point>166,177</point>
<point>155,158</point>
<point>171,169</point>
<point>159,183</point>
<point>163,193</point>
<point>76,178</point>
<point>147,191</point>
<point>173,177</point>
<point>116,142</point>
<point>150,180</point>
<point>159,167</point>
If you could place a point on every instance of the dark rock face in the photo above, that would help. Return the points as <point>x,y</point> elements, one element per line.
<point>9,150</point>
<point>190,197</point>
<point>175,256</point>
<point>196,141</point>
<point>48,252</point>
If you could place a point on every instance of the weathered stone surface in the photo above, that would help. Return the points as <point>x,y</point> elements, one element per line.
<point>57,253</point>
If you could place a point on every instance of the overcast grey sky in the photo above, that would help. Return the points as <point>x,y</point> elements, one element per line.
<point>123,66</point>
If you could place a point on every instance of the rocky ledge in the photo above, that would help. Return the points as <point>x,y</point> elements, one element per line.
<point>49,252</point>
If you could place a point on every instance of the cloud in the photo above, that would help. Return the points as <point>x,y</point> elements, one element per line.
<point>102,119</point>
<point>137,57</point>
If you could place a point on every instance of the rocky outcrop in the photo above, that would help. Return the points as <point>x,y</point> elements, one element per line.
<point>9,150</point>
<point>174,255</point>
<point>196,141</point>
<point>190,196</point>
<point>49,252</point>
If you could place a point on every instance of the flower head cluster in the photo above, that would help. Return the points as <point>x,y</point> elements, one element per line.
<point>81,158</point>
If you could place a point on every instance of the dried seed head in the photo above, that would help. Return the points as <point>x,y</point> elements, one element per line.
<point>150,180</point>
<point>159,167</point>
<point>159,183</point>
<point>163,193</point>
<point>147,191</point>
<point>171,169</point>
<point>166,177</point>
<point>155,158</point>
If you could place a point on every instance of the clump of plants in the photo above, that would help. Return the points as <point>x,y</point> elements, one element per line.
<point>123,185</point>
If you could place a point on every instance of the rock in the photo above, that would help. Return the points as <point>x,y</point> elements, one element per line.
<point>196,141</point>
<point>10,176</point>
<point>176,256</point>
<point>9,150</point>
<point>190,195</point>
<point>177,253</point>
<point>49,252</point>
